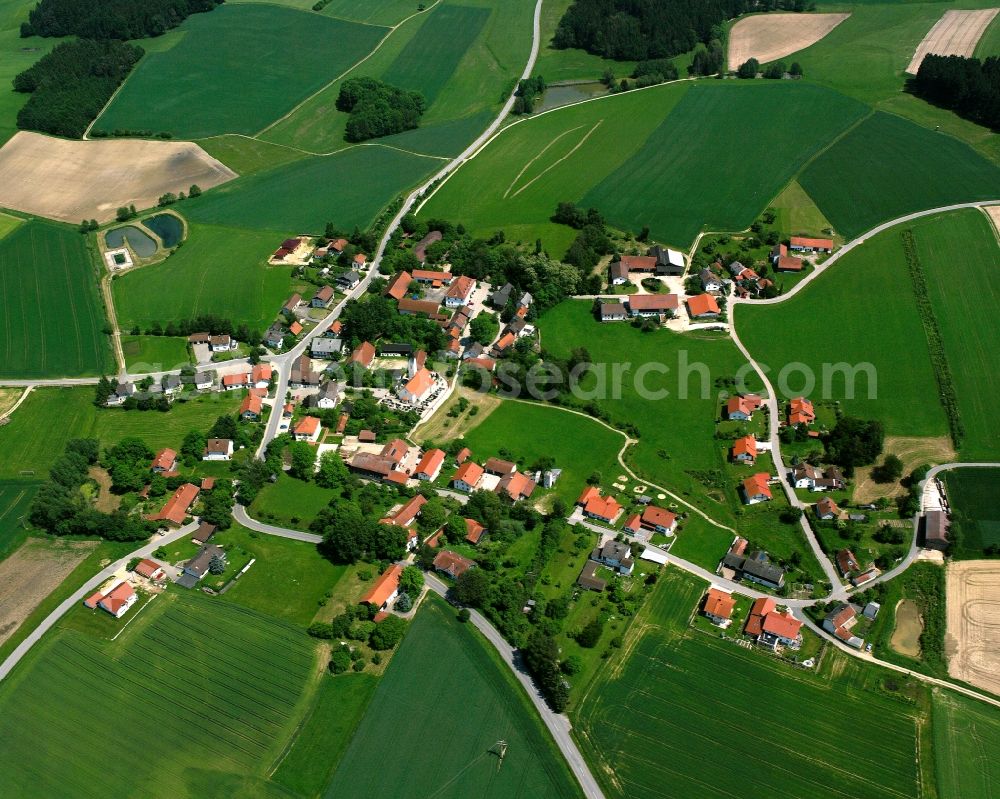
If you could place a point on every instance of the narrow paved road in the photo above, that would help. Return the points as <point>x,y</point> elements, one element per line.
<point>88,587</point>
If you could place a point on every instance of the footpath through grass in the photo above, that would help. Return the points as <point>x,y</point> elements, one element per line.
<point>15,500</point>
<point>51,315</point>
<point>679,709</point>
<point>197,699</point>
<point>447,701</point>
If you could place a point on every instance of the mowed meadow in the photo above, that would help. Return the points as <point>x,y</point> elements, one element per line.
<point>466,703</point>
<point>679,712</point>
<point>838,319</point>
<point>51,315</point>
<point>236,69</point>
<point>692,156</point>
<point>196,699</point>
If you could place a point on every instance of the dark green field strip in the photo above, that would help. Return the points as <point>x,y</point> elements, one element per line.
<point>888,167</point>
<point>251,622</point>
<point>51,317</point>
<point>349,188</point>
<point>236,70</point>
<point>432,56</point>
<point>966,747</point>
<point>15,500</point>
<point>701,168</point>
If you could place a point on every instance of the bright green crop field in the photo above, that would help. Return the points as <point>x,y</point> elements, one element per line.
<point>467,699</point>
<point>236,69</point>
<point>888,167</point>
<point>154,353</point>
<point>959,256</point>
<point>197,698</point>
<point>667,168</point>
<point>39,429</point>
<point>682,710</point>
<point>862,312</point>
<point>348,188</point>
<point>51,315</point>
<point>219,270</point>
<point>966,746</point>
<point>579,445</point>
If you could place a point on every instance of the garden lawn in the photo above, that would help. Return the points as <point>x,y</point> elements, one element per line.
<point>959,256</point>
<point>466,698</point>
<point>888,167</point>
<point>349,188</point>
<point>145,354</point>
<point>38,431</point>
<point>677,447</point>
<point>235,70</point>
<point>966,746</point>
<point>51,316</point>
<point>303,574</point>
<point>839,319</point>
<point>15,500</point>
<point>699,698</point>
<point>290,502</point>
<point>973,494</point>
<point>218,707</point>
<point>220,270</point>
<point>697,171</point>
<point>580,446</point>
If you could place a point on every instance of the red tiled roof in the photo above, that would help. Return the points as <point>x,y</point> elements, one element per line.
<point>505,341</point>
<point>803,241</point>
<point>431,462</point>
<point>251,404</point>
<point>633,522</point>
<point>602,507</point>
<point>757,484</point>
<point>760,608</point>
<point>397,477</point>
<point>473,531</point>
<point>234,380</point>
<point>747,445</point>
<point>261,372</point>
<point>307,426</point>
<point>164,460</point>
<point>384,587</point>
<point>177,506</point>
<point>405,515</point>
<point>396,449</point>
<point>431,274</point>
<point>419,384</point>
<point>463,455</point>
<point>461,287</point>
<point>653,302</point>
<point>719,603</point>
<point>588,494</point>
<point>516,486</point>
<point>827,507</point>
<point>782,624</point>
<point>363,354</point>
<point>639,263</point>
<point>452,563</point>
<point>789,263</point>
<point>702,304</point>
<point>469,472</point>
<point>295,328</point>
<point>146,568</point>
<point>658,517</point>
<point>118,596</point>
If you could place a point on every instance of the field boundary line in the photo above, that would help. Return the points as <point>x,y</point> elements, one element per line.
<point>134,615</point>
<point>111,99</point>
<point>550,167</point>
<point>349,70</point>
<point>7,413</point>
<point>537,156</point>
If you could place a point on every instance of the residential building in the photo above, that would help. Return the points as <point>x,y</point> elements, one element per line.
<point>217,449</point>
<point>468,476</point>
<point>122,392</point>
<point>302,375</point>
<point>384,590</point>
<point>221,343</point>
<point>460,292</point>
<point>756,489</point>
<point>745,450</point>
<point>165,461</point>
<point>659,520</point>
<point>709,280</point>
<point>596,506</point>
<point>588,577</point>
<point>363,355</point>
<point>452,564</point>
<point>719,607</point>
<point>742,407</point>
<point>149,569</point>
<point>615,555</point>
<point>839,621</point>
<point>801,411</point>
<point>322,298</point>
<point>499,467</point>
<point>755,620</point>
<point>756,568</point>
<point>847,563</point>
<point>327,398</point>
<point>612,312</point>
<point>251,408</point>
<point>176,508</point>
<point>474,531</point>
<point>348,280</point>
<point>236,381</point>
<point>804,244</point>
<point>308,429</point>
<point>827,510</point>
<point>516,486</point>
<point>430,465</point>
<point>323,347</point>
<point>652,305</point>
<point>261,374</point>
<point>780,629</point>
<point>500,297</point>
<point>702,306</point>
<point>618,273</point>
<point>171,385</point>
<point>274,338</point>
<point>203,534</point>
<point>399,285</point>
<point>293,302</point>
<point>118,600</point>
<point>865,577</point>
<point>196,568</point>
<point>204,380</point>
<point>633,524</point>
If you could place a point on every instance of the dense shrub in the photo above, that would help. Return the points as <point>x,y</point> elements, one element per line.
<point>110,19</point>
<point>377,109</point>
<point>70,85</point>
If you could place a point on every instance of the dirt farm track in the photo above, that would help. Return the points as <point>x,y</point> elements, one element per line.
<point>74,180</point>
<point>768,37</point>
<point>972,640</point>
<point>956,33</point>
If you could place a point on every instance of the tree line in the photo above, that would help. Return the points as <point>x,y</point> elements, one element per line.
<point>968,86</point>
<point>110,19</point>
<point>70,85</point>
<point>378,109</point>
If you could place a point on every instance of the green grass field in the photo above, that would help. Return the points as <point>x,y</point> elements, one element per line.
<point>16,55</point>
<point>685,713</point>
<point>349,189</point>
<point>219,270</point>
<point>568,65</point>
<point>290,502</point>
<point>154,353</point>
<point>959,255</point>
<point>51,315</point>
<point>465,697</point>
<point>8,224</point>
<point>690,175</point>
<point>580,446</point>
<point>888,167</point>
<point>797,213</point>
<point>237,71</point>
<point>15,499</point>
<point>197,700</point>
<point>989,44</point>
<point>667,169</point>
<point>374,12</point>
<point>835,320</point>
<point>973,494</point>
<point>677,447</point>
<point>39,429</point>
<point>966,736</point>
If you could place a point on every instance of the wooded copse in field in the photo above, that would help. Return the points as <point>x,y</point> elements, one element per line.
<point>968,86</point>
<point>70,85</point>
<point>110,19</point>
<point>378,109</point>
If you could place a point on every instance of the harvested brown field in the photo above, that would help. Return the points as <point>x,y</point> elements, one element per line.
<point>32,573</point>
<point>74,180</point>
<point>8,399</point>
<point>768,37</point>
<point>993,212</point>
<point>972,639</point>
<point>443,428</point>
<point>956,33</point>
<point>913,452</point>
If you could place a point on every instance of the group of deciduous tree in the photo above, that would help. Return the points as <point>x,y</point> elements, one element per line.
<point>110,19</point>
<point>968,86</point>
<point>377,108</point>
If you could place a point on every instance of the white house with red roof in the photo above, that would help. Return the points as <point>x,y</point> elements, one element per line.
<point>659,520</point>
<point>756,489</point>
<point>117,601</point>
<point>745,450</point>
<point>805,244</point>
<point>430,465</point>
<point>460,292</point>
<point>417,388</point>
<point>308,429</point>
<point>742,407</point>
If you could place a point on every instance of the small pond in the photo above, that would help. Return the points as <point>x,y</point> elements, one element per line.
<point>909,625</point>
<point>167,226</point>
<point>142,243</point>
<point>556,96</point>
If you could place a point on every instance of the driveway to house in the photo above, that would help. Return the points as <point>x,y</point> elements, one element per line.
<point>88,587</point>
